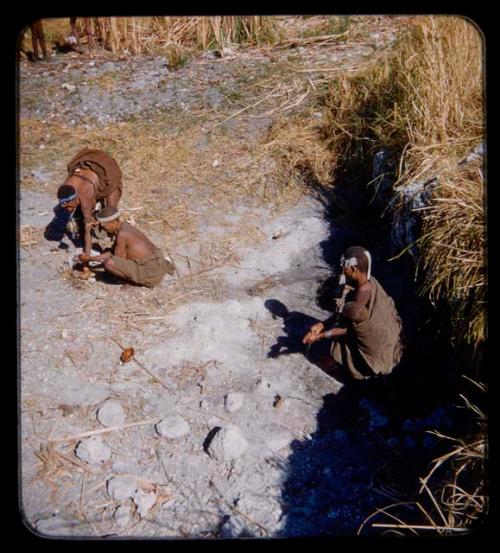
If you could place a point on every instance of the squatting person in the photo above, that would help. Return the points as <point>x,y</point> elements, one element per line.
<point>134,259</point>
<point>367,341</point>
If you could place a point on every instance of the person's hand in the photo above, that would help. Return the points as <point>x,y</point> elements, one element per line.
<point>83,257</point>
<point>312,337</point>
<point>317,328</point>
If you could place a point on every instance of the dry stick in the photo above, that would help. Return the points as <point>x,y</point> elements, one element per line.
<point>104,430</point>
<point>156,379</point>
<point>144,369</point>
<point>420,527</point>
<point>244,109</point>
<point>281,108</point>
<point>77,464</point>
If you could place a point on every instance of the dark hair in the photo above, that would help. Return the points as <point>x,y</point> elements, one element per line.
<point>65,190</point>
<point>360,254</point>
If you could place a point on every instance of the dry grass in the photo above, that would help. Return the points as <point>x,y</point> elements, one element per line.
<point>178,37</point>
<point>29,235</point>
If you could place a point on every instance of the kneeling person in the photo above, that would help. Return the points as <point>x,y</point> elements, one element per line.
<point>134,257</point>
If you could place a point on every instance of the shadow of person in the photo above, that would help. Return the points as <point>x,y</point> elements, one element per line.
<point>56,230</point>
<point>328,489</point>
<point>295,326</point>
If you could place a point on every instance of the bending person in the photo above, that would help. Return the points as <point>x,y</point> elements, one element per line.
<point>368,339</point>
<point>134,258</point>
<point>93,176</point>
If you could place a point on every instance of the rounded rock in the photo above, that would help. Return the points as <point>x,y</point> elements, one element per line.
<point>111,414</point>
<point>122,516</point>
<point>121,487</point>
<point>172,427</point>
<point>233,402</point>
<point>144,501</point>
<point>228,443</point>
<point>93,451</point>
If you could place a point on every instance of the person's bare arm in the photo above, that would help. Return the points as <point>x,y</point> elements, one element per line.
<point>363,293</point>
<point>101,258</point>
<point>120,249</point>
<point>312,337</point>
<point>87,204</point>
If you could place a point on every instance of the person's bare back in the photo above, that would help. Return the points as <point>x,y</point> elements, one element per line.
<point>131,243</point>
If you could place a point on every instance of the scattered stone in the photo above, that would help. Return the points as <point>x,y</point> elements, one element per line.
<point>111,414</point>
<point>121,487</point>
<point>233,402</point>
<point>122,516</point>
<point>69,87</point>
<point>93,451</point>
<point>172,427</point>
<point>228,443</point>
<point>144,501</point>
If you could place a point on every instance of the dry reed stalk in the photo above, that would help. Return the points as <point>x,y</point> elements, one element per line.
<point>104,430</point>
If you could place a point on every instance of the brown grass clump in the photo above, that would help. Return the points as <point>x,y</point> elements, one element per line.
<point>299,154</point>
<point>454,251</point>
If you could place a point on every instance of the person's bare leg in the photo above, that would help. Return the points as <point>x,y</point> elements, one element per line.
<point>41,38</point>
<point>74,32</point>
<point>34,41</point>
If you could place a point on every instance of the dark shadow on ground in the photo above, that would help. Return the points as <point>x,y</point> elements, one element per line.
<point>340,476</point>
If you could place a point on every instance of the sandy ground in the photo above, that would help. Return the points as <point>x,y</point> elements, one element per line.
<point>271,460</point>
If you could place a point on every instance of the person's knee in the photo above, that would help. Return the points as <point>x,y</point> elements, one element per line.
<point>109,264</point>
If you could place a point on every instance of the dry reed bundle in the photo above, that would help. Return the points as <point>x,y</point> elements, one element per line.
<point>139,35</point>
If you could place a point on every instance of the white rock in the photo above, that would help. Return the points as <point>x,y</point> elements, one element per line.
<point>144,501</point>
<point>172,427</point>
<point>121,487</point>
<point>233,402</point>
<point>122,516</point>
<point>111,414</point>
<point>93,450</point>
<point>228,443</point>
<point>69,87</point>
<point>215,163</point>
